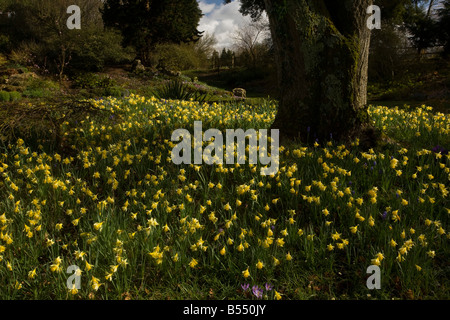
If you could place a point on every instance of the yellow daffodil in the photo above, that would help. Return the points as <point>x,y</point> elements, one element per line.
<point>32,274</point>
<point>193,263</point>
<point>259,265</point>
<point>277,295</point>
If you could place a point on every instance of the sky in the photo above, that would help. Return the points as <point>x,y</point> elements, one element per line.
<point>221,20</point>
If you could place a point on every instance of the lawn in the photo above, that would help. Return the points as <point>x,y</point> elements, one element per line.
<point>108,199</point>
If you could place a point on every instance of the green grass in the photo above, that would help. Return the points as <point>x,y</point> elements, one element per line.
<point>257,82</point>
<point>108,199</point>
<point>5,96</point>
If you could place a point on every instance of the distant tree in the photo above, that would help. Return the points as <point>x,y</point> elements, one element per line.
<point>215,59</point>
<point>421,26</point>
<point>205,46</point>
<point>43,23</point>
<point>392,11</point>
<point>248,38</point>
<point>226,58</point>
<point>17,27</point>
<point>38,30</point>
<point>35,19</point>
<point>420,22</point>
<point>443,26</point>
<point>387,45</point>
<point>388,54</point>
<point>145,23</point>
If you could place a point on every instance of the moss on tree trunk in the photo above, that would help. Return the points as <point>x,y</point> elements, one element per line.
<point>322,52</point>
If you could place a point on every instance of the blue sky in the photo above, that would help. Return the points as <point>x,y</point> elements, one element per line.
<point>210,3</point>
<point>221,20</point>
<point>217,2</point>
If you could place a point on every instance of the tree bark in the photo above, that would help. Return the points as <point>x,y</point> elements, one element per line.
<point>322,53</point>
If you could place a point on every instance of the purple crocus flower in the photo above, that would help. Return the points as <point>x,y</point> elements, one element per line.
<point>268,286</point>
<point>439,149</point>
<point>384,215</point>
<point>245,286</point>
<point>257,291</point>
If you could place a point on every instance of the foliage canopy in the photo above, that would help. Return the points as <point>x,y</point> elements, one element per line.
<point>145,23</point>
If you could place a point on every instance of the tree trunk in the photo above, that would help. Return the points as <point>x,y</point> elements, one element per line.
<point>144,55</point>
<point>322,52</point>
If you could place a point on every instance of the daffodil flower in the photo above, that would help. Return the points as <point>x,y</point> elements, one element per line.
<point>277,295</point>
<point>259,265</point>
<point>32,274</point>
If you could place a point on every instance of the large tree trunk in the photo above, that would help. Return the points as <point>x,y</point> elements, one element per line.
<point>322,52</point>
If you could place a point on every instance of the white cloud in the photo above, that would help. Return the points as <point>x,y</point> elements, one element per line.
<point>222,21</point>
<point>206,7</point>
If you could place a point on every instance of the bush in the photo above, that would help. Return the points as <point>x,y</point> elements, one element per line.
<point>92,84</point>
<point>28,53</point>
<point>41,84</point>
<point>42,123</point>
<point>85,81</point>
<point>31,38</point>
<point>95,49</point>
<point>4,96</point>
<point>92,81</point>
<point>3,59</point>
<point>113,92</point>
<point>106,82</point>
<point>14,96</point>
<point>35,93</point>
<point>176,57</point>
<point>178,90</point>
